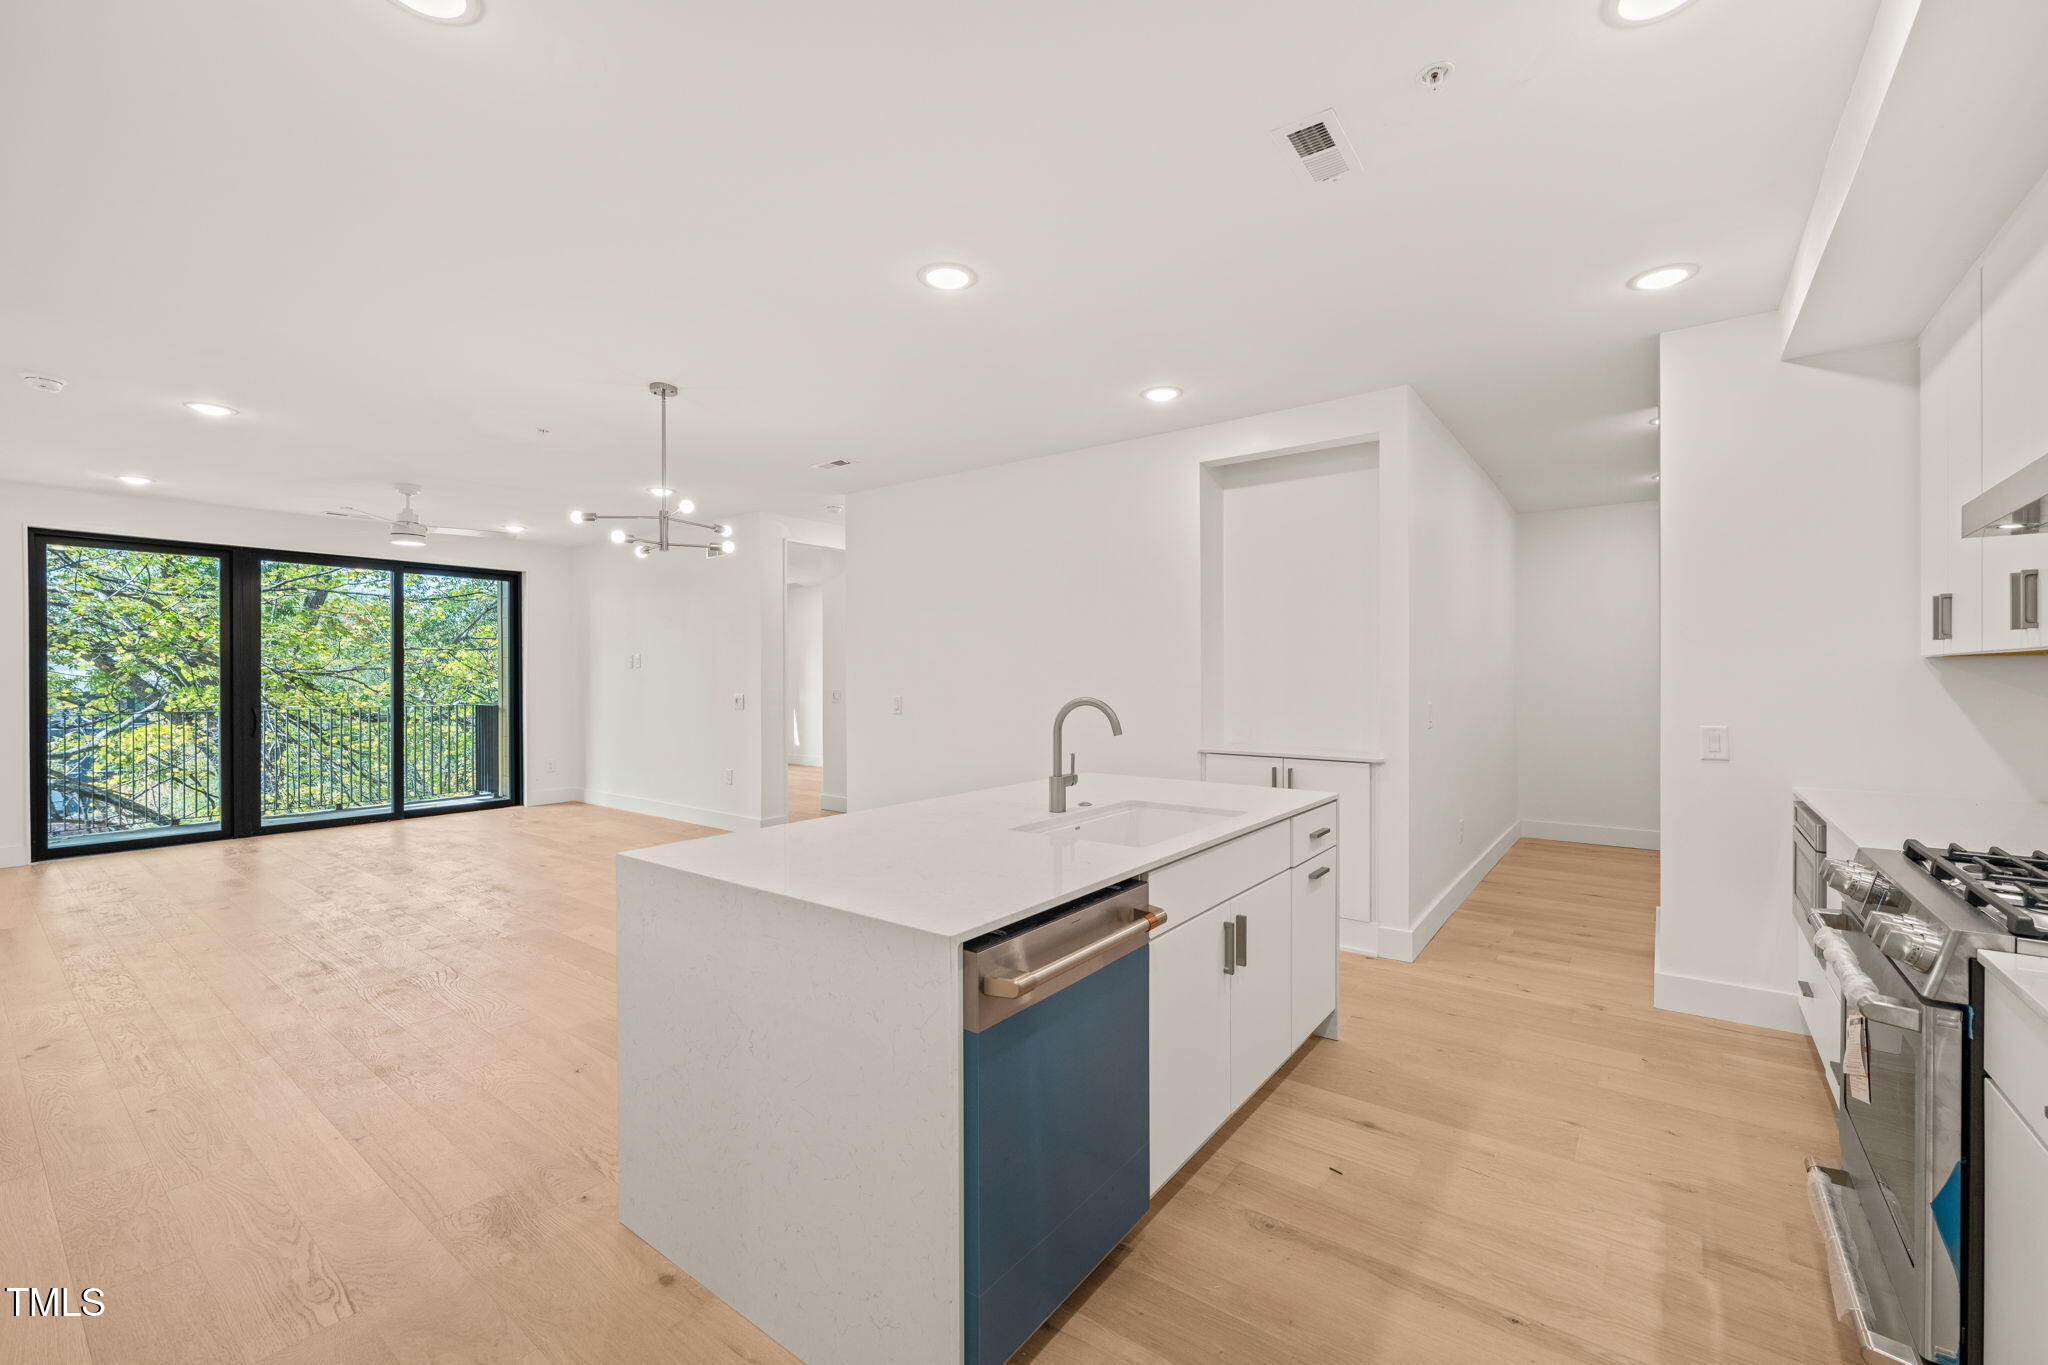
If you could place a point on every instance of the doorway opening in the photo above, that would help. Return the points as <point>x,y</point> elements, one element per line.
<point>814,679</point>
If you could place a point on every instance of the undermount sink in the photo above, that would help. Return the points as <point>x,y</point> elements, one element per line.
<point>1132,824</point>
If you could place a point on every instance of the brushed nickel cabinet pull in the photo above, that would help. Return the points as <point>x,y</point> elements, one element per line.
<point>1319,872</point>
<point>1243,941</point>
<point>1229,948</point>
<point>1322,833</point>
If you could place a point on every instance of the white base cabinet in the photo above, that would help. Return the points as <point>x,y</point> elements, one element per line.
<point>1238,986</point>
<point>1349,780</point>
<point>2015,1236</point>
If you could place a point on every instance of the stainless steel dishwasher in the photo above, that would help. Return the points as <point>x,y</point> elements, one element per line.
<point>1057,1069</point>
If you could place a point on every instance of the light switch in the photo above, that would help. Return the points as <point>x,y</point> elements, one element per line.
<point>1713,743</point>
<point>897,706</point>
<point>739,701</point>
<point>835,694</point>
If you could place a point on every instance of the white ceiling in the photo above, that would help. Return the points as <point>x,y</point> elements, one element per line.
<point>402,248</point>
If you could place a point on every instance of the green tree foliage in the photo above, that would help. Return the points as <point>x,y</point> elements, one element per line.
<point>134,686</point>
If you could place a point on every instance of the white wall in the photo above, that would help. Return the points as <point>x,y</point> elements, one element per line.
<point>1790,614</point>
<point>987,598</point>
<point>1586,691</point>
<point>1463,792</point>
<point>803,672</point>
<point>553,631</point>
<point>664,736</point>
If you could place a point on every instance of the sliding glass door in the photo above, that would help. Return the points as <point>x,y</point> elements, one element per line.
<point>327,665</point>
<point>129,649</point>
<point>187,692</point>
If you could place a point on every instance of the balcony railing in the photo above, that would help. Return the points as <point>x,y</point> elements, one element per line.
<point>161,769</point>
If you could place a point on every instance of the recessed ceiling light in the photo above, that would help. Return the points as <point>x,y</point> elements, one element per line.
<point>1632,12</point>
<point>513,528</point>
<point>1162,393</point>
<point>134,480</point>
<point>211,409</point>
<point>1664,276</point>
<point>444,11</point>
<point>947,276</point>
<point>43,383</point>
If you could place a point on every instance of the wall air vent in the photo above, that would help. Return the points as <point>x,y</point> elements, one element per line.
<point>1320,146</point>
<point>832,464</point>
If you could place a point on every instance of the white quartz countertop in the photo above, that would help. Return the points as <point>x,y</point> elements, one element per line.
<point>955,866</point>
<point>2027,975</point>
<point>1888,819</point>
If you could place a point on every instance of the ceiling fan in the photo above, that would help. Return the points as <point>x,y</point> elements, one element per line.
<point>406,528</point>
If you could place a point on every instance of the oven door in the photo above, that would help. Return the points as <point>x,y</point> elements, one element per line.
<point>1901,1149</point>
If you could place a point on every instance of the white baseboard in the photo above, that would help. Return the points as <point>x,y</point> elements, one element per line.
<point>1405,945</point>
<point>1612,836</point>
<point>553,796</point>
<point>808,760</point>
<point>832,801</point>
<point>13,855</point>
<point>1738,1004</point>
<point>670,810</point>
<point>1357,936</point>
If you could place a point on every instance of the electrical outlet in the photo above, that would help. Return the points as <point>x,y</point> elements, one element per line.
<point>1461,829</point>
<point>1714,744</point>
<point>739,701</point>
<point>728,777</point>
<point>896,707</point>
<point>551,766</point>
<point>1429,722</point>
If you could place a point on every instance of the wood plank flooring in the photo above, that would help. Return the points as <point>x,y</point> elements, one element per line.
<point>347,1096</point>
<point>806,789</point>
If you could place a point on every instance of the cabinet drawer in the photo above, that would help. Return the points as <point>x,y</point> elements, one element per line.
<point>1315,832</point>
<point>1314,902</point>
<point>2015,1236</point>
<point>2016,1052</point>
<point>1186,888</point>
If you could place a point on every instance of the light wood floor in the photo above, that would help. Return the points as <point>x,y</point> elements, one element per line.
<point>347,1096</point>
<point>806,788</point>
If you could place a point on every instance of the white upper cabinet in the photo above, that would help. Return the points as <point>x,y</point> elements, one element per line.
<point>2015,418</point>
<point>1951,472</point>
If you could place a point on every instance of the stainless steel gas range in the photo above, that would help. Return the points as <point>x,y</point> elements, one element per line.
<point>1897,932</point>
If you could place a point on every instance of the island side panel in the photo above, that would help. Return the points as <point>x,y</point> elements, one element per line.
<point>790,1113</point>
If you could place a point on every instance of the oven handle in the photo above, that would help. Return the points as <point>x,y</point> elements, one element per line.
<point>1859,992</point>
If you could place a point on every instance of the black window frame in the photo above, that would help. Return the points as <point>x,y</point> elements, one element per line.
<point>241,688</point>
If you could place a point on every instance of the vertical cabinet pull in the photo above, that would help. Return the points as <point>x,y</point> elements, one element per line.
<point>1290,777</point>
<point>1944,616</point>
<point>1243,939</point>
<point>1273,777</point>
<point>1229,948</point>
<point>2026,599</point>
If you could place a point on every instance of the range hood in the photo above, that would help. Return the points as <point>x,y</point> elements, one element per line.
<point>2017,506</point>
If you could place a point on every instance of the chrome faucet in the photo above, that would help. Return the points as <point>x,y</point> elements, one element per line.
<point>1060,781</point>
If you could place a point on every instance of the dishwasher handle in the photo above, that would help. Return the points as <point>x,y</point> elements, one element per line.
<point>1010,987</point>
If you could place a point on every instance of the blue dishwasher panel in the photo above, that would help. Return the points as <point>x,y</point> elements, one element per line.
<point>1057,1152</point>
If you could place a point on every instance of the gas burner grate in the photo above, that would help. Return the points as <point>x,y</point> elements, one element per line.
<point>2012,886</point>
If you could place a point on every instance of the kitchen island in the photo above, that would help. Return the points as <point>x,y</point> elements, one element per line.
<point>792,1125</point>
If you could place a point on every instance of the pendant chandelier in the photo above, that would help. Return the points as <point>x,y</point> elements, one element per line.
<point>673,511</point>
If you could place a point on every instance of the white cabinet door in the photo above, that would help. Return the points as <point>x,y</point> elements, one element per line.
<point>1951,470</point>
<point>1314,903</point>
<point>1821,1008</point>
<point>1246,770</point>
<point>1261,986</point>
<point>2010,599</point>
<point>1190,1028</point>
<point>2016,343</point>
<point>2015,1236</point>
